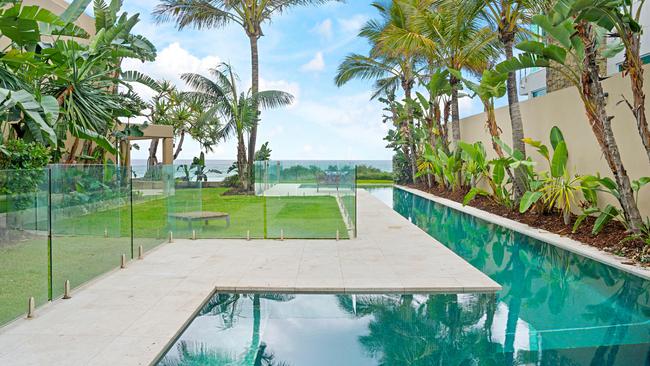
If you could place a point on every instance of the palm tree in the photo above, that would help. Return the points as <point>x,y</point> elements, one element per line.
<point>509,19</point>
<point>237,109</point>
<point>462,43</point>
<point>389,68</point>
<point>248,14</point>
<point>576,56</point>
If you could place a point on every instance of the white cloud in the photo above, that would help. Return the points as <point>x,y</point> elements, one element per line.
<point>353,118</point>
<point>469,106</point>
<point>352,24</point>
<point>292,88</point>
<point>315,64</point>
<point>324,29</point>
<point>307,148</point>
<point>170,63</point>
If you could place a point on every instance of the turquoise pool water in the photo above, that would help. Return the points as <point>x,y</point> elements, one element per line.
<point>556,308</point>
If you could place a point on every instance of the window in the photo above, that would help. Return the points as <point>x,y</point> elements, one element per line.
<point>538,93</point>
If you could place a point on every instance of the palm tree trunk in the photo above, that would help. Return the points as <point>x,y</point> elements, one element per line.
<point>407,86</point>
<point>595,101</point>
<point>445,128</point>
<point>152,160</point>
<point>252,352</point>
<point>242,166</point>
<point>516,123</point>
<point>635,69</point>
<point>72,156</point>
<point>455,115</point>
<point>179,147</point>
<point>255,71</point>
<point>493,128</point>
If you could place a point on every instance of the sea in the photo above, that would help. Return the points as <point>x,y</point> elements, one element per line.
<point>218,169</point>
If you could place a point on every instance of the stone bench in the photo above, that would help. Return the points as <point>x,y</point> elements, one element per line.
<point>205,216</point>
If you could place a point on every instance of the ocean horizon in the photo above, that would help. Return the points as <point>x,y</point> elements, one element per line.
<point>220,166</point>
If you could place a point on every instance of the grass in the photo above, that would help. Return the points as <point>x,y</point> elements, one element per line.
<point>367,182</point>
<point>85,246</point>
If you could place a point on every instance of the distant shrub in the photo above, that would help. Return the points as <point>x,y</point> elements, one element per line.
<point>401,168</point>
<point>231,181</point>
<point>365,172</point>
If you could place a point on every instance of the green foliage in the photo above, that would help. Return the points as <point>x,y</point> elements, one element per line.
<point>401,168</point>
<point>53,86</point>
<point>365,172</point>
<point>590,186</point>
<point>444,167</point>
<point>21,171</point>
<point>21,155</point>
<point>554,188</point>
<point>231,181</point>
<point>264,153</point>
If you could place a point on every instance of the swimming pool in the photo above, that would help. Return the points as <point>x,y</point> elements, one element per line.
<point>556,308</point>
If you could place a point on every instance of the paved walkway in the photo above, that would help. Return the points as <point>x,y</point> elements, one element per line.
<point>128,316</point>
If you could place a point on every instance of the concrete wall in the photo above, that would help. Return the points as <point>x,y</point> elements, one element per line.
<point>564,109</point>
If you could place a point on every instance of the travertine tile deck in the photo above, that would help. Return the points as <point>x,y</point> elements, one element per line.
<point>128,316</point>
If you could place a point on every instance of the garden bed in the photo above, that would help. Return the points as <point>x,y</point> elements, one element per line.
<point>610,239</point>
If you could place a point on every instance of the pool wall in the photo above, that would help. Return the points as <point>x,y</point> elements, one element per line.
<point>548,237</point>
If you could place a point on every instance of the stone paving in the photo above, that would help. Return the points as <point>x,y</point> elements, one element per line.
<point>128,316</point>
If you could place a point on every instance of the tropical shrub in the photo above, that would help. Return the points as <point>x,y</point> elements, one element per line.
<point>401,168</point>
<point>21,171</point>
<point>554,188</point>
<point>365,172</point>
<point>590,186</point>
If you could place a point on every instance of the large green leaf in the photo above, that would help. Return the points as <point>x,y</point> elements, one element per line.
<point>473,193</point>
<point>555,53</point>
<point>38,128</point>
<point>74,10</point>
<point>560,33</point>
<point>534,47</point>
<point>20,23</point>
<point>51,109</point>
<point>560,157</point>
<point>523,61</point>
<point>556,136</point>
<point>606,216</point>
<point>639,183</point>
<point>528,199</point>
<point>100,140</point>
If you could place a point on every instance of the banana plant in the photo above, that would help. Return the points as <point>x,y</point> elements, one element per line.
<point>590,186</point>
<point>492,85</point>
<point>492,172</point>
<point>574,53</point>
<point>556,187</point>
<point>25,25</point>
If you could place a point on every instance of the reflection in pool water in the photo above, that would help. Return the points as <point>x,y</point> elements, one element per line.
<point>556,308</point>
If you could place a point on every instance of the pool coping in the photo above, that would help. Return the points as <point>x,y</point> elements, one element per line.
<point>548,237</point>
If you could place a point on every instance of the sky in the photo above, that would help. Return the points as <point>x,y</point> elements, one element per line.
<point>299,53</point>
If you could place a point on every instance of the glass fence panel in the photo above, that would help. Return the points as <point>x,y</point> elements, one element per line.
<point>23,241</point>
<point>97,213</point>
<point>151,187</point>
<point>91,222</point>
<point>307,199</point>
<point>184,207</point>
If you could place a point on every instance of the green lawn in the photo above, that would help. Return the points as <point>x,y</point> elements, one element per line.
<point>85,246</point>
<point>374,182</point>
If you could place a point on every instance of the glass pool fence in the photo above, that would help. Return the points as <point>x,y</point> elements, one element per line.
<point>75,222</point>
